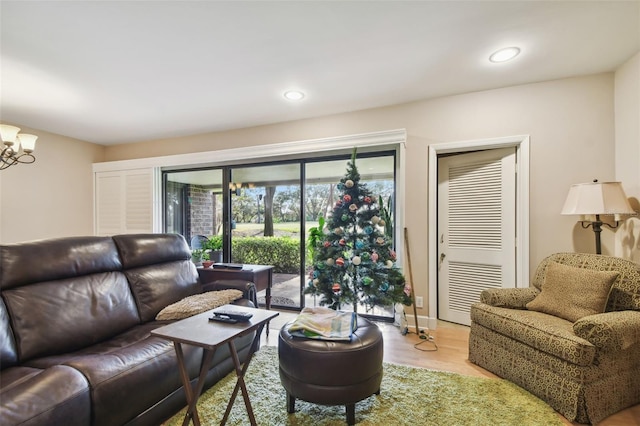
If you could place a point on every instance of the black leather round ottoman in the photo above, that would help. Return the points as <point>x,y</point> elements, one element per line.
<point>332,372</point>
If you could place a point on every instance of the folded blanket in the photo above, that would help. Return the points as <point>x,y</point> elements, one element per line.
<point>324,324</point>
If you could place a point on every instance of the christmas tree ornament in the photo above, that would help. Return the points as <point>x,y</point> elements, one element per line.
<point>367,281</point>
<point>384,286</point>
<point>330,261</point>
<point>338,231</point>
<point>340,186</point>
<point>342,242</point>
<point>316,282</point>
<point>336,287</point>
<point>327,244</point>
<point>367,199</point>
<point>368,230</point>
<point>339,261</point>
<point>346,198</point>
<point>375,220</point>
<point>374,257</point>
<point>388,264</point>
<point>353,208</point>
<point>366,256</point>
<point>380,241</point>
<point>345,217</point>
<point>392,254</point>
<point>381,222</point>
<point>348,183</point>
<point>356,260</point>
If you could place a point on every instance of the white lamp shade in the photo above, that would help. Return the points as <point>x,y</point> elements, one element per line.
<point>8,133</point>
<point>603,198</point>
<point>27,141</point>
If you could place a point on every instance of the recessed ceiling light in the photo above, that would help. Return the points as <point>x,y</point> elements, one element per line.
<point>505,54</point>
<point>293,95</point>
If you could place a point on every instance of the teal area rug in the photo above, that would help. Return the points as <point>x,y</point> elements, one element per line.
<point>409,396</point>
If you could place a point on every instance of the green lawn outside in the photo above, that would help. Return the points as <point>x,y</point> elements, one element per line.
<point>291,229</point>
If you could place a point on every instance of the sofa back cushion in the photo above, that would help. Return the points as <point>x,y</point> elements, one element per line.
<point>54,259</point>
<point>159,270</point>
<point>64,294</point>
<point>61,316</point>
<point>625,291</point>
<point>8,351</point>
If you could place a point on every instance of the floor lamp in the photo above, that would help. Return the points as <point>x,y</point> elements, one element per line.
<point>595,199</point>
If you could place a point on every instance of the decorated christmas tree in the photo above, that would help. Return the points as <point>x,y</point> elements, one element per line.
<point>353,260</point>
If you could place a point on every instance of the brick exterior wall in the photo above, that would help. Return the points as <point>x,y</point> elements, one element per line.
<point>201,211</point>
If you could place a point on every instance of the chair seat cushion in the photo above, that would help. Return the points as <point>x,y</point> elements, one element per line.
<point>544,332</point>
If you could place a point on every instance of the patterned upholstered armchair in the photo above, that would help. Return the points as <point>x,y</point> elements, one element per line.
<point>572,338</point>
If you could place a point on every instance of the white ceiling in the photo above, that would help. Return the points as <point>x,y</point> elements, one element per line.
<point>113,72</point>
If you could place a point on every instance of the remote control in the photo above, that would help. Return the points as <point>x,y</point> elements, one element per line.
<point>230,313</point>
<point>223,319</point>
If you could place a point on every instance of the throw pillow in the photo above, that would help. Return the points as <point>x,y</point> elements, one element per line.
<point>572,293</point>
<point>198,303</point>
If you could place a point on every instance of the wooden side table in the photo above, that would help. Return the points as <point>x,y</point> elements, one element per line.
<point>199,331</point>
<point>260,275</point>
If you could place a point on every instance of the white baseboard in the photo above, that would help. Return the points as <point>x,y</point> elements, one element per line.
<point>424,322</point>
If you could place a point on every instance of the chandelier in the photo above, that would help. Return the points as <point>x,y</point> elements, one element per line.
<point>12,142</point>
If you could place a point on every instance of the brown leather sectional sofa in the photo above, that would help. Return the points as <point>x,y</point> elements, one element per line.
<point>75,317</point>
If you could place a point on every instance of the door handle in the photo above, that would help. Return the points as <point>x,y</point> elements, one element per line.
<point>442,256</point>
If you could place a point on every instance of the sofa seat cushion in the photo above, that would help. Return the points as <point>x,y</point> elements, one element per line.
<point>129,373</point>
<point>541,331</point>
<point>56,395</point>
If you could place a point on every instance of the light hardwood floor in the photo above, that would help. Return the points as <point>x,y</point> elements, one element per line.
<point>452,341</point>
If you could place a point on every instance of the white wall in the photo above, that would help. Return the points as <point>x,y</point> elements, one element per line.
<point>52,197</point>
<point>570,123</point>
<point>627,152</point>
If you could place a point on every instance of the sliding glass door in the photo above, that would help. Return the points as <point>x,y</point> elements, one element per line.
<point>193,204</point>
<point>321,177</point>
<point>262,213</point>
<point>267,222</point>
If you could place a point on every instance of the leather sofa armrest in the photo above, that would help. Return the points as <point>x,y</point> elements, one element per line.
<point>513,298</point>
<point>247,288</point>
<point>610,331</point>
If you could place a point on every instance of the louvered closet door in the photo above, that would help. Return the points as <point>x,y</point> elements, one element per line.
<point>476,228</point>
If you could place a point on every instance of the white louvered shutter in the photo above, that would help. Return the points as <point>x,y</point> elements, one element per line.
<point>124,202</point>
<point>476,224</point>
